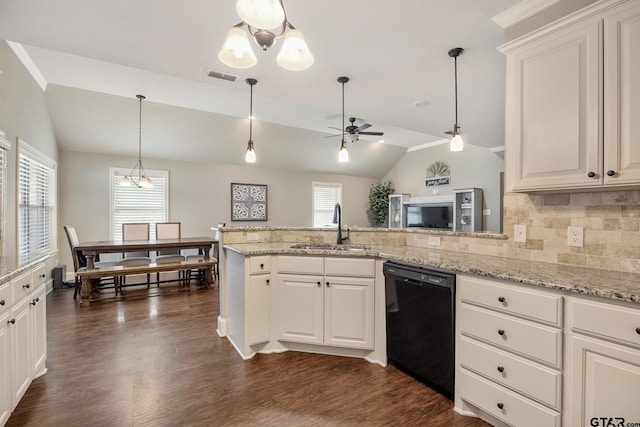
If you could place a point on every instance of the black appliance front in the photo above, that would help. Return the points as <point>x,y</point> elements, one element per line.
<point>420,323</point>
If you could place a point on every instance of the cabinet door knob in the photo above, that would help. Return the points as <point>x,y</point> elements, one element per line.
<point>2,303</point>
<point>26,286</point>
<point>500,369</point>
<point>501,332</point>
<point>591,174</point>
<point>637,329</point>
<point>500,405</point>
<point>328,284</point>
<point>611,172</point>
<point>501,299</point>
<point>319,284</point>
<point>261,266</point>
<point>267,282</point>
<point>12,321</point>
<point>42,276</point>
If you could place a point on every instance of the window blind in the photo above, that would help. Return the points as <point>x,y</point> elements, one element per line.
<point>36,203</point>
<point>4,146</point>
<point>325,197</point>
<point>133,204</point>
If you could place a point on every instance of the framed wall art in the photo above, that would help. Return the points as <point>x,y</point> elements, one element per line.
<point>248,202</point>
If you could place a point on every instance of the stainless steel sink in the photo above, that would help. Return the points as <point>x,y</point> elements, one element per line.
<point>328,247</point>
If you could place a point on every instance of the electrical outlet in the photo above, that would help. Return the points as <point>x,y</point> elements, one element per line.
<point>575,236</point>
<point>434,240</point>
<point>252,237</point>
<point>486,212</point>
<point>520,233</point>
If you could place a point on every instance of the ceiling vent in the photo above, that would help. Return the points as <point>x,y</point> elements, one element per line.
<point>219,75</point>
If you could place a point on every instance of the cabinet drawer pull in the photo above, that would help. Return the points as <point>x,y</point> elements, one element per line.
<point>35,301</point>
<point>611,172</point>
<point>328,284</point>
<point>501,299</point>
<point>501,332</point>
<point>501,369</point>
<point>591,174</point>
<point>637,329</point>
<point>2,303</point>
<point>26,286</point>
<point>12,321</point>
<point>319,284</point>
<point>261,266</point>
<point>500,405</point>
<point>42,276</point>
<point>267,282</point>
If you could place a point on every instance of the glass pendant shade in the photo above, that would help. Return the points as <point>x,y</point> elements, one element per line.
<point>145,183</point>
<point>250,154</point>
<point>343,154</point>
<point>236,51</point>
<point>456,143</point>
<point>126,182</point>
<point>262,14</point>
<point>295,54</point>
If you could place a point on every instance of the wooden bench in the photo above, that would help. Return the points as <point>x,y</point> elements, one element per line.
<point>91,276</point>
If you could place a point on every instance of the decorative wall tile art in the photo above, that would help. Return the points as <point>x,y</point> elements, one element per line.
<point>248,202</point>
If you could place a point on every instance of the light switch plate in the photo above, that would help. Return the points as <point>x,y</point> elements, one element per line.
<point>434,240</point>
<point>520,233</point>
<point>575,236</point>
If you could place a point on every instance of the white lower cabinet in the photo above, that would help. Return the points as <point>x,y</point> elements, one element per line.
<point>508,352</point>
<point>20,333</point>
<point>5,370</point>
<point>38,309</point>
<point>259,312</point>
<point>318,305</point>
<point>604,357</point>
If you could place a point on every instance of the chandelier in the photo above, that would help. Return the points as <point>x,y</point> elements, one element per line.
<point>143,181</point>
<point>266,21</point>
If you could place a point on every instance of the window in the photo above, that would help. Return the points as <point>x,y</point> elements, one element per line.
<point>36,203</point>
<point>133,204</point>
<point>4,147</point>
<point>325,197</point>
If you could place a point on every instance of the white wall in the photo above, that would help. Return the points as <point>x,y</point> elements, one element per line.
<point>473,167</point>
<point>199,195</point>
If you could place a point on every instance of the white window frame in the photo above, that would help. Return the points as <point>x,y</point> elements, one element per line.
<point>155,176</point>
<point>40,160</point>
<point>316,212</point>
<point>5,147</point>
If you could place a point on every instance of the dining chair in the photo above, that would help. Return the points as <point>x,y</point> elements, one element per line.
<point>134,231</point>
<point>79,260</point>
<point>169,230</point>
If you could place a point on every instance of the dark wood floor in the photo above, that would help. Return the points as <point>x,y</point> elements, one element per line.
<point>157,361</point>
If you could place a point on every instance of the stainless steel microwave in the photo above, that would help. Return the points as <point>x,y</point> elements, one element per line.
<point>430,215</point>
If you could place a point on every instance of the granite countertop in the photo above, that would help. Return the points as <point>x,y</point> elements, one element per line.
<point>11,266</point>
<point>603,283</point>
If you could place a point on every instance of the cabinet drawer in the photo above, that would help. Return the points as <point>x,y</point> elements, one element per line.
<point>301,264</point>
<point>503,404</point>
<point>5,298</point>
<point>358,267</point>
<point>606,320</point>
<point>537,342</point>
<point>39,275</point>
<point>259,264</point>
<point>529,378</point>
<point>21,287</point>
<point>511,299</point>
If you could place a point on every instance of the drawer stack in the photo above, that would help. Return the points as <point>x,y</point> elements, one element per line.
<point>509,351</point>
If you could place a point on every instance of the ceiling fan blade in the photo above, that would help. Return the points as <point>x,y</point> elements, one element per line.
<point>372,133</point>
<point>449,132</point>
<point>363,127</point>
<point>333,127</point>
<point>332,136</point>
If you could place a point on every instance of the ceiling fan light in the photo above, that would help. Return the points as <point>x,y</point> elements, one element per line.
<point>263,14</point>
<point>343,154</point>
<point>457,144</point>
<point>236,51</point>
<point>250,154</point>
<point>295,54</point>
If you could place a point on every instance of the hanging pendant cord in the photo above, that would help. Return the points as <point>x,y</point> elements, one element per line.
<point>342,111</point>
<point>251,115</point>
<point>455,67</point>
<point>140,141</point>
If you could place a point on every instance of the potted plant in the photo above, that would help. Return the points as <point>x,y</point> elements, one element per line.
<point>379,201</point>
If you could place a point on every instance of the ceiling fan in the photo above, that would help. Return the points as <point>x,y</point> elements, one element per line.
<point>352,130</point>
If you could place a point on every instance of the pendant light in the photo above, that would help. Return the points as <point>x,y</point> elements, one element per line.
<point>457,144</point>
<point>250,154</point>
<point>343,154</point>
<point>143,180</point>
<point>266,22</point>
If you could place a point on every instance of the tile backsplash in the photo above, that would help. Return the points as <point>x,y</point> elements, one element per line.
<point>611,223</point>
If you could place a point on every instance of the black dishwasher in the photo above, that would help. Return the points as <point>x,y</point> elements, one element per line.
<point>420,304</point>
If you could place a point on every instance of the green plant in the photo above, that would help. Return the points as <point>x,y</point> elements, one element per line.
<point>379,201</point>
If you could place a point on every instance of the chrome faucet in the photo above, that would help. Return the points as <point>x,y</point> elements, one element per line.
<point>337,219</point>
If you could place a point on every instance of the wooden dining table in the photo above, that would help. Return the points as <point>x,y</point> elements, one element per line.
<point>92,249</point>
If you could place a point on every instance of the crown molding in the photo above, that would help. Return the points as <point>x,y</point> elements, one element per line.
<point>521,11</point>
<point>28,63</point>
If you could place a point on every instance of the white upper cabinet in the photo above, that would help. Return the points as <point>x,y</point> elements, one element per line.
<point>573,89</point>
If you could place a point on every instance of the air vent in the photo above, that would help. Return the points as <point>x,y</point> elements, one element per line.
<point>219,75</point>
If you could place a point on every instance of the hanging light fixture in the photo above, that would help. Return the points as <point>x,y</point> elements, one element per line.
<point>343,154</point>
<point>250,154</point>
<point>262,17</point>
<point>143,180</point>
<point>457,144</point>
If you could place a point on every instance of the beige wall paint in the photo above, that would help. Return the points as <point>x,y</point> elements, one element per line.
<point>473,167</point>
<point>199,195</point>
